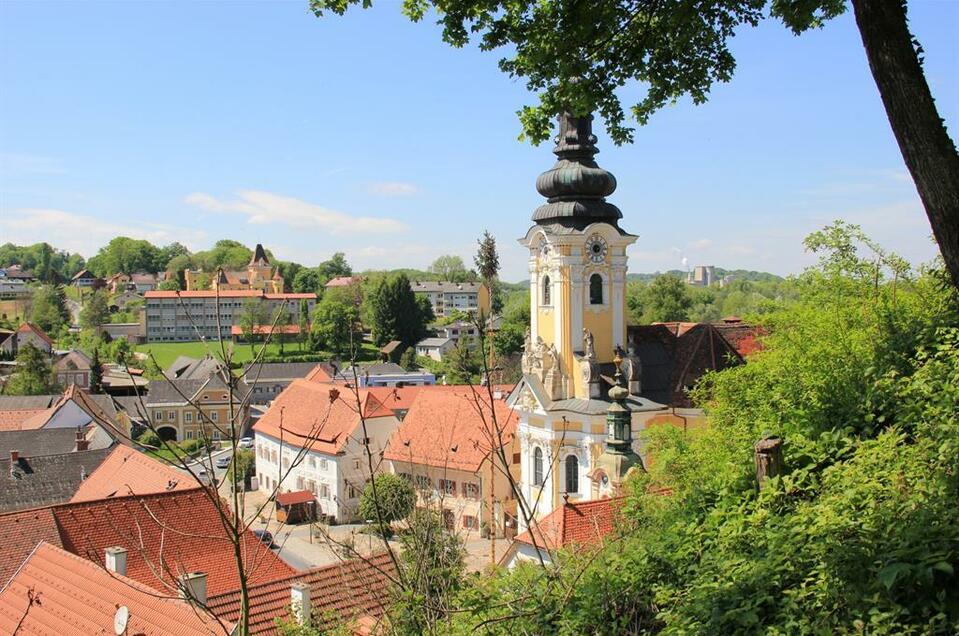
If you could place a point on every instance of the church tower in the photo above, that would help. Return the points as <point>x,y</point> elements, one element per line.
<point>577,268</point>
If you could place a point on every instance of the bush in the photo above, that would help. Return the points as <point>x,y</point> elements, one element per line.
<point>395,496</point>
<point>149,438</point>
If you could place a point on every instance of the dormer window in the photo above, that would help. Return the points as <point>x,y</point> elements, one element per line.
<point>595,289</point>
<point>547,292</point>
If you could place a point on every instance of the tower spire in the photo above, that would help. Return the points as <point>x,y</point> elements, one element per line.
<point>576,187</point>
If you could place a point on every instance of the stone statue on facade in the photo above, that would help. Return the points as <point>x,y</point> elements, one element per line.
<point>589,352</point>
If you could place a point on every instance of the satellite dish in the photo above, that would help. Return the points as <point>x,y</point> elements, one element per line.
<point>120,620</point>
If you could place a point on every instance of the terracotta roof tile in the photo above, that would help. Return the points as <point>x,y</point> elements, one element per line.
<point>20,419</point>
<point>126,471</point>
<point>340,593</point>
<point>584,523</point>
<point>309,417</point>
<point>29,326</point>
<point>444,418</point>
<point>76,596</point>
<point>22,531</point>
<point>166,535</point>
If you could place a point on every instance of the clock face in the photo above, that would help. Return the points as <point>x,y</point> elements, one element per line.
<point>596,248</point>
<point>544,248</point>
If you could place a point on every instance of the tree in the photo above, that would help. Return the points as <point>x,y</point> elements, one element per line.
<point>487,266</point>
<point>96,311</point>
<point>307,281</point>
<point>170,284</point>
<point>396,312</point>
<point>304,322</point>
<point>577,56</point>
<point>335,266</point>
<point>463,363</point>
<point>96,372</point>
<point>335,322</point>
<point>280,320</point>
<point>34,375</point>
<point>450,268</point>
<point>509,339</point>
<point>49,310</point>
<point>243,466</point>
<point>666,299</point>
<point>125,255</point>
<point>393,500</point>
<point>253,314</point>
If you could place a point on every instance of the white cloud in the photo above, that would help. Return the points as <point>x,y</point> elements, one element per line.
<point>393,188</point>
<point>83,233</point>
<point>266,207</point>
<point>700,244</point>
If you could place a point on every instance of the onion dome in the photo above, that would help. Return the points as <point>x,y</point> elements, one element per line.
<point>576,188</point>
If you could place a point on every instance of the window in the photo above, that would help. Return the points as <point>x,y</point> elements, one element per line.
<point>299,483</point>
<point>595,289</point>
<point>406,476</point>
<point>469,521</point>
<point>546,291</point>
<point>537,466</point>
<point>216,436</point>
<point>470,490</point>
<point>322,464</point>
<point>188,416</point>
<point>324,491</point>
<point>189,434</point>
<point>171,415</point>
<point>157,416</point>
<point>356,464</point>
<point>214,415</point>
<point>423,482</point>
<point>448,486</point>
<point>312,462</point>
<point>572,474</point>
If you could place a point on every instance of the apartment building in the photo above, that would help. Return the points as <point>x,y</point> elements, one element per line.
<point>182,316</point>
<point>446,297</point>
<point>197,408</point>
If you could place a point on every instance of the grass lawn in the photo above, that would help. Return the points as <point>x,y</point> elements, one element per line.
<point>166,352</point>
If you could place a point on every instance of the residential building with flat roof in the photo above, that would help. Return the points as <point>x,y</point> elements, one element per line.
<point>447,297</point>
<point>183,316</point>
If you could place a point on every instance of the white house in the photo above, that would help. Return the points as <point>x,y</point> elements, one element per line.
<point>434,348</point>
<point>312,438</point>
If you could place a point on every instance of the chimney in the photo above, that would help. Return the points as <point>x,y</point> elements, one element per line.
<point>14,457</point>
<point>193,587</point>
<point>116,560</point>
<point>82,442</point>
<point>300,603</point>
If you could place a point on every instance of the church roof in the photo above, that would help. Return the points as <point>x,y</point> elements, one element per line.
<point>576,187</point>
<point>259,256</point>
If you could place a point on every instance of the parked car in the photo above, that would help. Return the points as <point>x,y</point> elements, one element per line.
<point>246,442</point>
<point>265,536</point>
<point>224,462</point>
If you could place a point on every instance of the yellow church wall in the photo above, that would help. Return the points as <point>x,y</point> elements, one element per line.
<point>601,325</point>
<point>544,325</point>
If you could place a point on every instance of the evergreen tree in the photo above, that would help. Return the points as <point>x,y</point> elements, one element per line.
<point>96,311</point>
<point>96,373</point>
<point>50,308</point>
<point>487,265</point>
<point>396,312</point>
<point>34,375</point>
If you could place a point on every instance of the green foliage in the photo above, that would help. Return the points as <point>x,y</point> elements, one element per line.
<point>333,267</point>
<point>450,268</point>
<point>149,439</point>
<point>463,363</point>
<point>34,376</point>
<point>336,321</point>
<point>48,264</point>
<point>577,56</point>
<point>96,372</point>
<point>126,255</point>
<point>253,314</point>
<point>170,284</point>
<point>666,299</point>
<point>307,281</point>
<point>509,339</point>
<point>487,266</point>
<point>432,561</point>
<point>394,499</point>
<point>243,466</point>
<point>49,310</point>
<point>396,313</point>
<point>96,310</point>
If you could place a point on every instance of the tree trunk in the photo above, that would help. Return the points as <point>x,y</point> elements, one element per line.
<point>928,151</point>
<point>768,454</point>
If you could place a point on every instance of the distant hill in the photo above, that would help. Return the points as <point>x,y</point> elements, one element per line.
<point>741,274</point>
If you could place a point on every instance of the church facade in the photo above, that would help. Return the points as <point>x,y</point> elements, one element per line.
<point>578,400</point>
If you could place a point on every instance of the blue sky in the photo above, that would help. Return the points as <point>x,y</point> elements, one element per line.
<point>366,134</point>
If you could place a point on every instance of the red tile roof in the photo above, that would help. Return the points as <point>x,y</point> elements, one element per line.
<point>340,593</point>
<point>21,419</point>
<point>309,417</point>
<point>262,330</point>
<point>29,326</point>
<point>584,523</point>
<point>129,472</point>
<point>444,418</point>
<point>74,596</point>
<point>319,374</point>
<point>295,497</point>
<point>226,293</point>
<point>22,531</point>
<point>166,535</point>
<point>343,281</point>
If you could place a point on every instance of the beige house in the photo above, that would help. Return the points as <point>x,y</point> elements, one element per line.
<point>445,447</point>
<point>195,409</point>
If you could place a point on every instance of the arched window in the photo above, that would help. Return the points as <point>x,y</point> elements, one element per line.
<point>595,289</point>
<point>546,291</point>
<point>537,466</point>
<point>572,474</point>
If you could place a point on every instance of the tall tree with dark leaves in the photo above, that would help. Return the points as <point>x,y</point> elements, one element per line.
<point>396,312</point>
<point>96,372</point>
<point>34,375</point>
<point>576,56</point>
<point>487,266</point>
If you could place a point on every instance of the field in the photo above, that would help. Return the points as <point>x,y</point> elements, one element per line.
<point>166,352</point>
